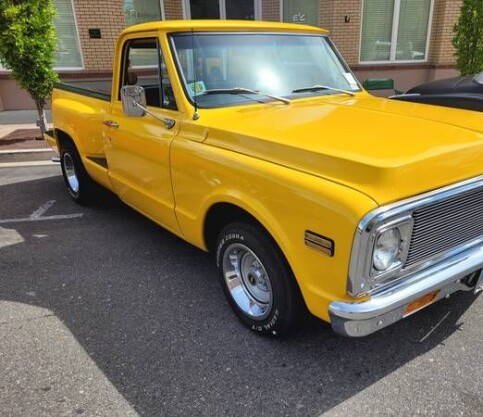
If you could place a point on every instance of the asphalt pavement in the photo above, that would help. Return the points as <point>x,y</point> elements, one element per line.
<point>103,313</point>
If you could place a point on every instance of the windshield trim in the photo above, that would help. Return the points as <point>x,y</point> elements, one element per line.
<point>291,97</point>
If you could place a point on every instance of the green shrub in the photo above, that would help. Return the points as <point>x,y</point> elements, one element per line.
<point>468,39</point>
<point>27,44</point>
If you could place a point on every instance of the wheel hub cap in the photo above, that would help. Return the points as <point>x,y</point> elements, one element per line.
<point>70,172</point>
<point>247,281</point>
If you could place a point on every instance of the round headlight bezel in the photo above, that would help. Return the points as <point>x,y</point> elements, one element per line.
<point>387,248</point>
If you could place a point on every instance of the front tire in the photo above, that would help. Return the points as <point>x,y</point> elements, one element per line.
<point>257,280</point>
<point>81,188</point>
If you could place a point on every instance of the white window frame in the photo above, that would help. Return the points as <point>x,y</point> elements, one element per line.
<point>257,8</point>
<point>82,66</point>
<point>395,29</point>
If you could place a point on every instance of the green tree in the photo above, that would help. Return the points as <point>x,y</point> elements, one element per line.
<point>468,39</point>
<point>27,45</point>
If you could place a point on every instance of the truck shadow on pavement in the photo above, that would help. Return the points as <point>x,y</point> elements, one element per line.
<point>148,309</point>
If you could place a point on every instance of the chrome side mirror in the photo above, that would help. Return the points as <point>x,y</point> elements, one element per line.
<point>132,96</point>
<point>479,78</point>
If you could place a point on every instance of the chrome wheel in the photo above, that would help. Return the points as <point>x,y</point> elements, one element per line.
<point>247,281</point>
<point>70,173</point>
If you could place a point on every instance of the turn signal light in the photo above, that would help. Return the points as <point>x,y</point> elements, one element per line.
<point>420,303</point>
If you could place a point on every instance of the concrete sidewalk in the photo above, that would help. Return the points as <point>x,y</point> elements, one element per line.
<point>20,141</point>
<point>18,130</point>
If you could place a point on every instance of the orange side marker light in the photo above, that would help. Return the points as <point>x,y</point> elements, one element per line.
<point>420,303</point>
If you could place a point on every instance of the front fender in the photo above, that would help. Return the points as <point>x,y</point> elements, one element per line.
<point>285,201</point>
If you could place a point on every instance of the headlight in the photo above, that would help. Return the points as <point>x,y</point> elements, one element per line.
<point>386,249</point>
<point>379,253</point>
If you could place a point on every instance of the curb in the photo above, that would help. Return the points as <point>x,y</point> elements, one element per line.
<point>28,164</point>
<point>20,151</point>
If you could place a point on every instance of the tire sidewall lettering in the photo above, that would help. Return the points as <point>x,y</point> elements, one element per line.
<point>279,318</point>
<point>271,323</point>
<point>224,242</point>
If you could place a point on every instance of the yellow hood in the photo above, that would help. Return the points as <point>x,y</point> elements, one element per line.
<point>386,149</point>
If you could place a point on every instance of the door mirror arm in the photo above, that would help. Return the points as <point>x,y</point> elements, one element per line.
<point>133,99</point>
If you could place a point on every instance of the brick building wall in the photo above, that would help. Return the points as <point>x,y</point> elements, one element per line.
<point>173,9</point>
<point>326,13</point>
<point>445,15</point>
<point>98,54</point>
<point>343,18</point>
<point>271,10</point>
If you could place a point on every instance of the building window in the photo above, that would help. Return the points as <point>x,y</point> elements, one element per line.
<point>240,9</point>
<point>301,11</point>
<point>222,9</point>
<point>395,30</point>
<point>204,9</point>
<point>140,11</point>
<point>68,53</point>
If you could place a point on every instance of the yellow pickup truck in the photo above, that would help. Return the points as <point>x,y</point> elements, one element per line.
<point>254,141</point>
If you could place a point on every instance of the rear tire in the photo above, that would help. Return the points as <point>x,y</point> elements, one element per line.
<point>257,280</point>
<point>81,188</point>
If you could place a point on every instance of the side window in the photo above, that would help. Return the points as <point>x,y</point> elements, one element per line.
<point>143,65</point>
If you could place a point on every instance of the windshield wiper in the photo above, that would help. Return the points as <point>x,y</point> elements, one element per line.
<point>322,87</point>
<point>241,90</point>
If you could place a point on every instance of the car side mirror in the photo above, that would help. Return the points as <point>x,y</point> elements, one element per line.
<point>133,99</point>
<point>479,78</point>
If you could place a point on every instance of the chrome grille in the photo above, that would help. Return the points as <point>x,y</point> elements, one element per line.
<point>444,225</point>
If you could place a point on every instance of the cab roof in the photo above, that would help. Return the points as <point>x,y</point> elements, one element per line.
<point>223,25</point>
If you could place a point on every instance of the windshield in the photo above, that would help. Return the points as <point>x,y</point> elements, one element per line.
<point>217,67</point>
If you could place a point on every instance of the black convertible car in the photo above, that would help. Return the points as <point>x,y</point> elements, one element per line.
<point>464,92</point>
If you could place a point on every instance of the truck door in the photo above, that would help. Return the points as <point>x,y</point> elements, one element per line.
<point>137,148</point>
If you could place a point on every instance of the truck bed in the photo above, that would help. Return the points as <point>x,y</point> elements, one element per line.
<point>100,89</point>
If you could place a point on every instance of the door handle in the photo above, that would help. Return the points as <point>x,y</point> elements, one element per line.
<point>110,123</point>
<point>169,123</point>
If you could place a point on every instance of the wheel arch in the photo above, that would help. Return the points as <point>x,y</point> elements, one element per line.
<point>62,137</point>
<point>222,213</point>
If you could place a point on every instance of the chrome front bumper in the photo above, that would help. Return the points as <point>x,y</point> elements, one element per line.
<point>388,306</point>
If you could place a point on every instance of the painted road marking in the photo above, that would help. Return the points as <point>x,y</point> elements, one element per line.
<point>42,209</point>
<point>38,215</point>
<point>9,237</point>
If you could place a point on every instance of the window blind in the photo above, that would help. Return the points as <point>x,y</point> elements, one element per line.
<point>413,29</point>
<point>383,18</point>
<point>67,54</point>
<point>377,30</point>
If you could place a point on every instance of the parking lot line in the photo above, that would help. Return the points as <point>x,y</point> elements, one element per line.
<point>38,219</point>
<point>37,215</point>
